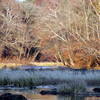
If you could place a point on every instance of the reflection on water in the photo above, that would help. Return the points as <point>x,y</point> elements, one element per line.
<point>70,98</point>
<point>77,98</point>
<point>31,95</point>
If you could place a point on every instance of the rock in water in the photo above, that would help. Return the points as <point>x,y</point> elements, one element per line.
<point>53,92</point>
<point>9,96</point>
<point>96,90</point>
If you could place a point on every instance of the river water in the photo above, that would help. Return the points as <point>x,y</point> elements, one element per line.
<point>31,95</point>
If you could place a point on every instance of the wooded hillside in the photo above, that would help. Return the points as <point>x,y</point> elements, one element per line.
<point>66,31</point>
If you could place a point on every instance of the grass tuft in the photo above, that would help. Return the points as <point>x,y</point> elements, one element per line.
<point>73,87</point>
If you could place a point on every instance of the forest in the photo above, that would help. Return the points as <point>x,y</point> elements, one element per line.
<point>66,31</point>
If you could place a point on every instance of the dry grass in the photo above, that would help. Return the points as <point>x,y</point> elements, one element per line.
<point>13,63</point>
<point>47,63</point>
<point>9,65</point>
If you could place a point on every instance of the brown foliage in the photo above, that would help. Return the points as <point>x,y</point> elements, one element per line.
<point>65,31</point>
<point>16,35</point>
<point>74,31</point>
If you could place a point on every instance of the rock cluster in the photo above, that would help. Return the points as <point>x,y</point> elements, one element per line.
<point>9,96</point>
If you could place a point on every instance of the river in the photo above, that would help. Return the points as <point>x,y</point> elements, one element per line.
<point>33,95</point>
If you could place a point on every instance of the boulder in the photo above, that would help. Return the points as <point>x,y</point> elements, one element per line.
<point>44,92</point>
<point>9,96</point>
<point>96,89</point>
<point>54,92</point>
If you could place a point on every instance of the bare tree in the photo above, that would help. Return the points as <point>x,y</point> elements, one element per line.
<point>17,28</point>
<point>77,26</point>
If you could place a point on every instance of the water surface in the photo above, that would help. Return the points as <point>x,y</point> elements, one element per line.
<point>33,95</point>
